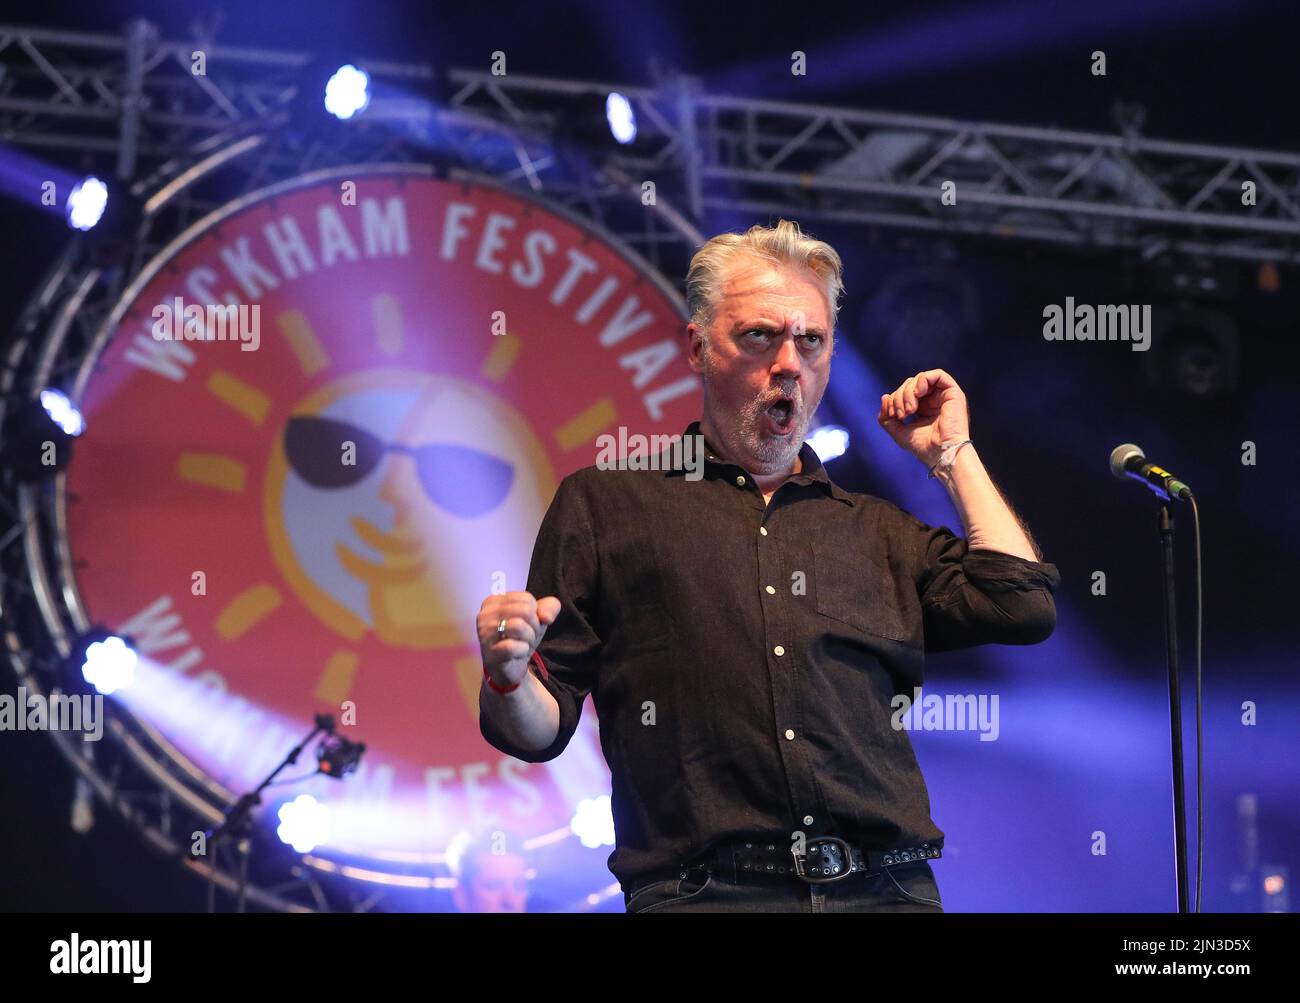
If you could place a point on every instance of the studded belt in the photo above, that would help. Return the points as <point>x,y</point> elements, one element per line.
<point>824,859</point>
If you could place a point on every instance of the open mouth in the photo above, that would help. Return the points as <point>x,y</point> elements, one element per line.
<point>781,415</point>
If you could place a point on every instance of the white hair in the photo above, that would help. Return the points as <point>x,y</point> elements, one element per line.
<point>783,244</point>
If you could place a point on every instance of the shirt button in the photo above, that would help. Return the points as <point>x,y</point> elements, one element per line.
<point>807,820</point>
<point>779,650</point>
<point>740,481</point>
<point>771,591</point>
<point>763,530</point>
<point>789,733</point>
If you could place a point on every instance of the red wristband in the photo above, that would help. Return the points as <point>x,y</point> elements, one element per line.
<point>494,687</point>
<point>535,660</point>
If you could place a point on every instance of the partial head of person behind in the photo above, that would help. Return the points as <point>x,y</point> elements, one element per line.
<point>491,872</point>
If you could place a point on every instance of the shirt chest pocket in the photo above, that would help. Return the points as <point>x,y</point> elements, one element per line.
<point>855,588</point>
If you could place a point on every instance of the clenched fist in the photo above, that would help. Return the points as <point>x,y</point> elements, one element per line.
<point>506,658</point>
<point>937,407</point>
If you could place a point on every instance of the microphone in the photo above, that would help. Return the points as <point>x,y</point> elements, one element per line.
<point>1128,460</point>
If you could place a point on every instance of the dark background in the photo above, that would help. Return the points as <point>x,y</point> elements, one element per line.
<point>1045,415</point>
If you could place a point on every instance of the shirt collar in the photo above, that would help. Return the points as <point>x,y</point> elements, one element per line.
<point>811,469</point>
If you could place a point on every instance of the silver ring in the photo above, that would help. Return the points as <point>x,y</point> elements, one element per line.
<point>501,629</point>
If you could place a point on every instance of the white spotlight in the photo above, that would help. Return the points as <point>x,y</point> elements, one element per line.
<point>621,117</point>
<point>829,441</point>
<point>304,823</point>
<point>63,412</point>
<point>348,92</point>
<point>86,203</point>
<point>109,665</point>
<point>593,822</point>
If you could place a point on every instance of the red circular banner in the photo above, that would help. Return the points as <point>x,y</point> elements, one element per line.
<point>302,513</point>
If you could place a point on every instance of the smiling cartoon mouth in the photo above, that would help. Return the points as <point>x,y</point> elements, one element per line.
<point>402,559</point>
<point>407,607</point>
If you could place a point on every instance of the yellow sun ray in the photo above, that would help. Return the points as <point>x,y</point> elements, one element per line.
<point>469,677</point>
<point>581,429</point>
<point>247,610</point>
<point>311,355</point>
<point>337,677</point>
<point>505,349</point>
<point>387,317</point>
<point>212,470</point>
<point>242,397</point>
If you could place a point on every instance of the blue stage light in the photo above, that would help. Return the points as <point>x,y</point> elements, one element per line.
<point>304,823</point>
<point>348,92</point>
<point>86,203</point>
<point>829,441</point>
<point>36,442</point>
<point>110,664</point>
<point>621,117</point>
<point>63,412</point>
<point>593,822</point>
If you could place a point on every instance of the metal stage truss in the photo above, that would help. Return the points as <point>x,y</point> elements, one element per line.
<point>134,99</point>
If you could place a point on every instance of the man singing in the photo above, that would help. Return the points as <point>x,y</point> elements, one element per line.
<point>744,633</point>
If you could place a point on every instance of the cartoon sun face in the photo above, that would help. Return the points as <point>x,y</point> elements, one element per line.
<point>395,500</point>
<point>312,526</point>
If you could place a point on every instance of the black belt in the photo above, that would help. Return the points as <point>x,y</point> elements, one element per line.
<point>824,859</point>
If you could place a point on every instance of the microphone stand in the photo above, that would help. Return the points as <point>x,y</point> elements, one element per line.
<point>239,821</point>
<point>1175,702</point>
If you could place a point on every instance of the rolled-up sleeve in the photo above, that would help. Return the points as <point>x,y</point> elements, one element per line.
<point>565,565</point>
<point>980,596</point>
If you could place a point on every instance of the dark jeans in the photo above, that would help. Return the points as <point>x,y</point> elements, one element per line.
<point>904,888</point>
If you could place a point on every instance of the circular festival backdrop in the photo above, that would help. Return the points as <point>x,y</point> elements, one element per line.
<point>467,346</point>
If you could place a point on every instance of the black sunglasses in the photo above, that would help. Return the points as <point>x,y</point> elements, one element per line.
<point>464,481</point>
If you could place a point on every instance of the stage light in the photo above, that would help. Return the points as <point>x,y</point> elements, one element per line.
<point>86,203</point>
<point>829,441</point>
<point>593,822</point>
<point>347,93</point>
<point>109,664</point>
<point>37,435</point>
<point>304,823</point>
<point>1277,893</point>
<point>338,756</point>
<point>922,312</point>
<point>62,411</point>
<point>621,117</point>
<point>1194,350</point>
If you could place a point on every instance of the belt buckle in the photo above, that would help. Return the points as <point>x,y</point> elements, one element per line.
<point>818,879</point>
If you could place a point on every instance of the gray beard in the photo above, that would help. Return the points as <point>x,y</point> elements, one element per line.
<point>748,446</point>
<point>776,455</point>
